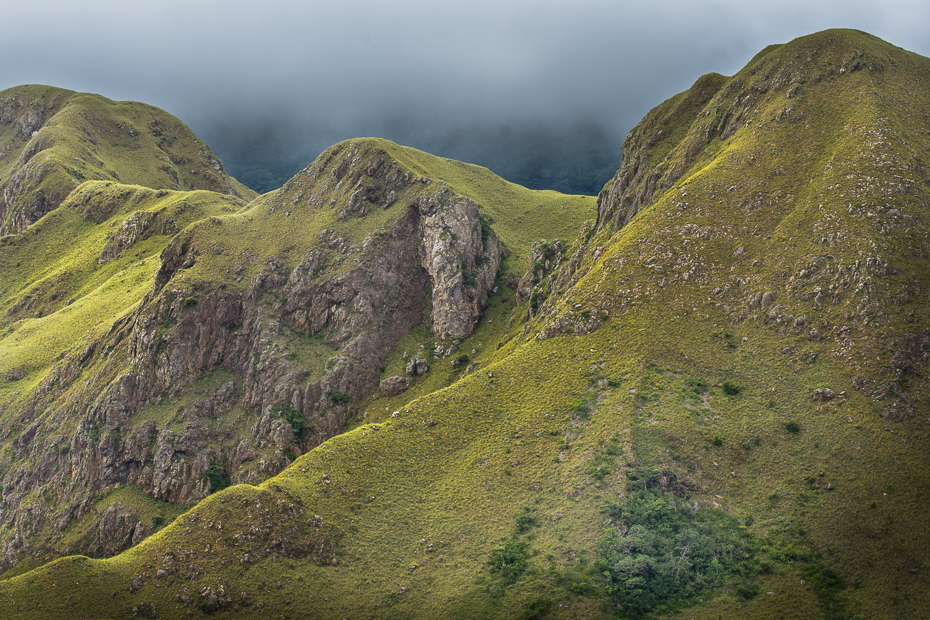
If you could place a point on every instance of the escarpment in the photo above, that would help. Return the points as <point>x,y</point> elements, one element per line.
<point>283,346</point>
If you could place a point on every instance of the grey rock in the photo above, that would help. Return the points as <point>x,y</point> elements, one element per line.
<point>461,259</point>
<point>416,366</point>
<point>392,386</point>
<point>823,394</point>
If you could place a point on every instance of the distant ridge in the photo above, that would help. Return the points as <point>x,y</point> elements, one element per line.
<point>53,139</point>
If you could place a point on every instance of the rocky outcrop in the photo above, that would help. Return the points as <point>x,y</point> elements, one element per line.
<point>133,229</point>
<point>461,256</point>
<point>544,258</point>
<point>353,299</point>
<point>394,386</point>
<point>640,176</point>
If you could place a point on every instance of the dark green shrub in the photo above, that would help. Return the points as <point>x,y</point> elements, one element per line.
<point>485,221</point>
<point>535,609</point>
<point>718,439</point>
<point>747,589</point>
<point>509,560</point>
<point>216,476</point>
<point>534,300</point>
<point>730,388</point>
<point>525,520</point>
<point>672,552</point>
<point>190,301</point>
<point>792,427</point>
<point>339,398</point>
<point>158,520</point>
<point>698,386</point>
<point>296,420</point>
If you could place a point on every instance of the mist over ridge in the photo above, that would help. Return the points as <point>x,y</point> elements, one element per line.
<point>269,89</point>
<point>573,158</point>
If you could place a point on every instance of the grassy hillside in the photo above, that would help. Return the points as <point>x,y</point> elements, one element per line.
<point>52,139</point>
<point>114,287</point>
<point>750,376</point>
<point>71,275</point>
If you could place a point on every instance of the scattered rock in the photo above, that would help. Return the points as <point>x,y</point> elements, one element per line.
<point>416,366</point>
<point>136,584</point>
<point>15,374</point>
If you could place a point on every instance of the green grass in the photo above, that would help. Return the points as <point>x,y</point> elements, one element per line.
<point>59,138</point>
<point>52,271</point>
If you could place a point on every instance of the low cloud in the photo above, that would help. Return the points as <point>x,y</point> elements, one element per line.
<point>270,85</point>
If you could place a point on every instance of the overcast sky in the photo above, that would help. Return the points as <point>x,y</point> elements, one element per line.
<point>287,77</point>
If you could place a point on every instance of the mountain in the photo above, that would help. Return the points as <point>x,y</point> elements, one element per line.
<point>443,395</point>
<point>245,334</point>
<point>53,139</point>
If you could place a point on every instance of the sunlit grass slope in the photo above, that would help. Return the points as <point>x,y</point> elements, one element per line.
<point>53,139</point>
<point>70,276</point>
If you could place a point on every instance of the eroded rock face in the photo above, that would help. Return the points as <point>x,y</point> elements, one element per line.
<point>82,434</point>
<point>638,180</point>
<point>462,259</point>
<point>133,229</point>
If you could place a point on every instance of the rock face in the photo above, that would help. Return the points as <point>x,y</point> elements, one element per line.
<point>350,299</point>
<point>638,179</point>
<point>544,258</point>
<point>461,256</point>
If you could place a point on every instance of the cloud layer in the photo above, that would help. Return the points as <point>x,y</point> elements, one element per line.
<point>278,81</point>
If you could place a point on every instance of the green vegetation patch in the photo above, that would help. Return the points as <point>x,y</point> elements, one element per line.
<point>672,549</point>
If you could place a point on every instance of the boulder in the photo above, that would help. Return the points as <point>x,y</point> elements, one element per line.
<point>392,386</point>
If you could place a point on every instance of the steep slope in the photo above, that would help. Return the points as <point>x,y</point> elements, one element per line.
<point>52,139</point>
<point>735,350</point>
<point>252,338</point>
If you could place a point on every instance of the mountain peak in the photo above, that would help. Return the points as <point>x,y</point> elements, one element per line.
<point>52,139</point>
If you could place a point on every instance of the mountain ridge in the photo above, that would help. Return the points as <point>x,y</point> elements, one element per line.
<point>84,136</point>
<point>741,329</point>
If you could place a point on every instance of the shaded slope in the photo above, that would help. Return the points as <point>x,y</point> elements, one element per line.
<point>52,139</point>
